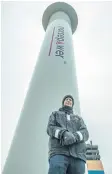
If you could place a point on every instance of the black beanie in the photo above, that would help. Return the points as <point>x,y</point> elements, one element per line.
<point>67,97</point>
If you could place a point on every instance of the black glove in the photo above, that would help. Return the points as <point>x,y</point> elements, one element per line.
<point>68,138</point>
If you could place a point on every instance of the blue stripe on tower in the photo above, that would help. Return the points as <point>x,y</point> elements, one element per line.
<point>96,172</point>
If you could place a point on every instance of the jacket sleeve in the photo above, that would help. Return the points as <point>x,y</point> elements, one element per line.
<point>82,134</point>
<point>52,129</point>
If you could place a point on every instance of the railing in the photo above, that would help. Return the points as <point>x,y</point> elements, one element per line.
<point>92,152</point>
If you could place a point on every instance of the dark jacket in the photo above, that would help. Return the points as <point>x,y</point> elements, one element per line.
<point>58,120</point>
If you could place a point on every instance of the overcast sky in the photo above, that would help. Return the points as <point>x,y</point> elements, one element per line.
<point>22,36</point>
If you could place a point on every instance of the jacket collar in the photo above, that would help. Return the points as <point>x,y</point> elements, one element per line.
<point>66,109</point>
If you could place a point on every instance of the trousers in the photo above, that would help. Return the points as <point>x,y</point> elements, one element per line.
<point>61,164</point>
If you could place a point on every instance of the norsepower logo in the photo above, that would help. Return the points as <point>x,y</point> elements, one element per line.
<point>60,42</point>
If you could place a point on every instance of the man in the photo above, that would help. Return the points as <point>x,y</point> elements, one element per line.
<point>67,136</point>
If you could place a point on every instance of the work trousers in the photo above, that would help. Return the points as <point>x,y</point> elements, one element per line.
<point>61,164</point>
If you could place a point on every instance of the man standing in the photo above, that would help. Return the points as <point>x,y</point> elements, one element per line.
<point>67,136</point>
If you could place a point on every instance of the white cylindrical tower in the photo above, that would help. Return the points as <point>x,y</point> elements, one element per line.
<point>53,78</point>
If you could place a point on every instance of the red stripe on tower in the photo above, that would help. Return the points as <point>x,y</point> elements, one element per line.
<point>51,41</point>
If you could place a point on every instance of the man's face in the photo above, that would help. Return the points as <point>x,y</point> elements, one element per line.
<point>68,102</point>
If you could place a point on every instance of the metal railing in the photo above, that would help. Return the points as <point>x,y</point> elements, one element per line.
<point>92,152</point>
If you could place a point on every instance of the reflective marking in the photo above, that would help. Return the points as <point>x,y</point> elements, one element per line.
<point>80,135</point>
<point>68,117</point>
<point>56,133</point>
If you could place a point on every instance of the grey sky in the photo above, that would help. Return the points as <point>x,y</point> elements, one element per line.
<point>22,36</point>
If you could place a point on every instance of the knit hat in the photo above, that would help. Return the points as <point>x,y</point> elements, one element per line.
<point>68,96</point>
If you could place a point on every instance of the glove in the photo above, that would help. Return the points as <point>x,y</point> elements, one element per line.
<point>77,137</point>
<point>68,138</point>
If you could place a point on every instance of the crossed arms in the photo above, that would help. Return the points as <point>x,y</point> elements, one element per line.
<point>81,135</point>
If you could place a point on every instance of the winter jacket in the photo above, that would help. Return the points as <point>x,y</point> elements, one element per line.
<point>60,121</point>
